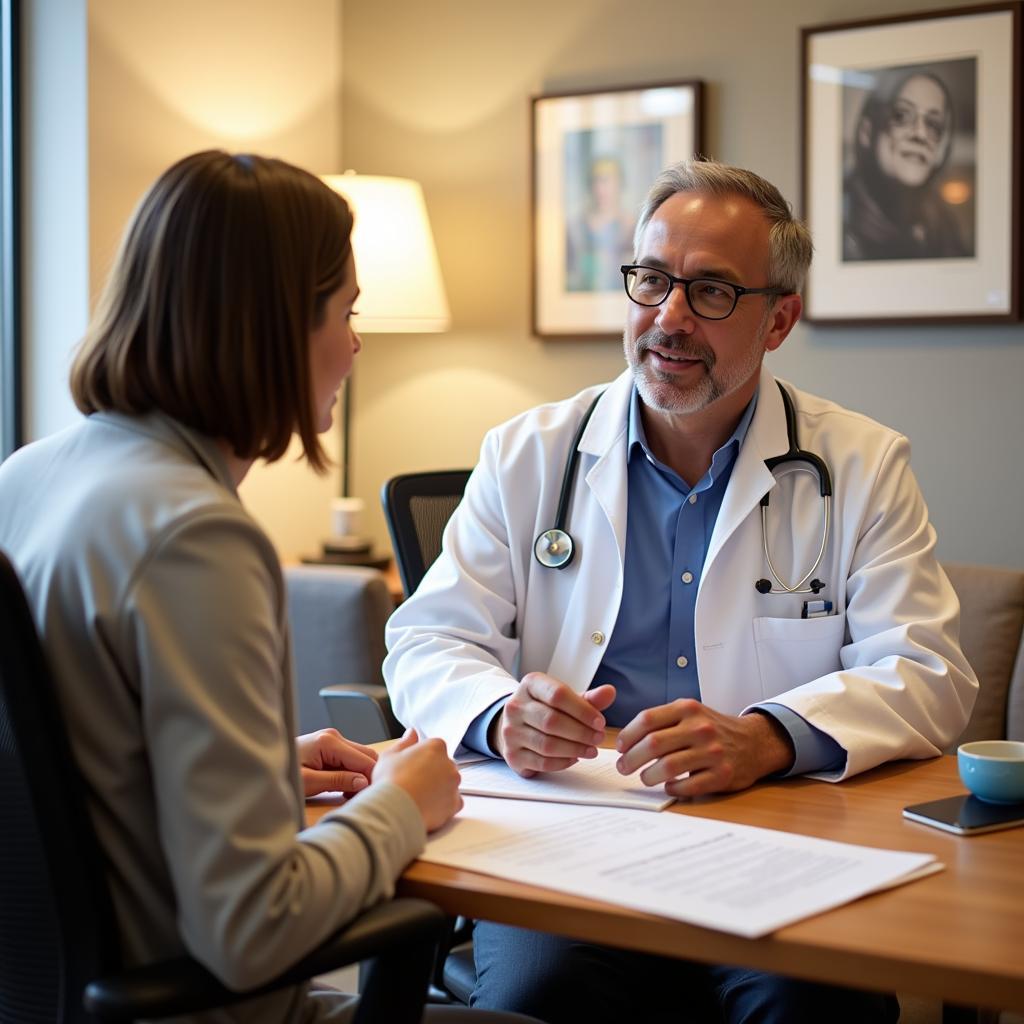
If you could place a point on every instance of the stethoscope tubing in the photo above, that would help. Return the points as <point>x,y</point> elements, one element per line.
<point>820,469</point>
<point>554,548</point>
<point>825,530</point>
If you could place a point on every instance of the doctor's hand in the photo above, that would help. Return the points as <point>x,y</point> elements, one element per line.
<point>329,763</point>
<point>546,726</point>
<point>722,753</point>
<point>425,771</point>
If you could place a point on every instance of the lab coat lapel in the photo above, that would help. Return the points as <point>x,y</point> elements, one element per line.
<point>751,479</point>
<point>598,522</point>
<point>605,437</point>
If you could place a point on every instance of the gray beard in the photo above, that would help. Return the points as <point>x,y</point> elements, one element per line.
<point>660,391</point>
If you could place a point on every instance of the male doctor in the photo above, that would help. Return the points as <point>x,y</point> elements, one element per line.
<point>668,621</point>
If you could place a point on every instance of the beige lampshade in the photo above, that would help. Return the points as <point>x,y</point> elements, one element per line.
<point>396,262</point>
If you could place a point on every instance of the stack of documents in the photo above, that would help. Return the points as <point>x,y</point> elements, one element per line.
<point>734,878</point>
<point>594,781</point>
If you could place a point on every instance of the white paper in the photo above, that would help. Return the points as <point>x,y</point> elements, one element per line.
<point>734,878</point>
<point>592,781</point>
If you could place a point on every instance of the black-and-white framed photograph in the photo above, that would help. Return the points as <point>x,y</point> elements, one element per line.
<point>595,155</point>
<point>911,167</point>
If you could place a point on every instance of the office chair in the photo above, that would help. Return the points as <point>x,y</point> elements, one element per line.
<point>417,507</point>
<point>59,955</point>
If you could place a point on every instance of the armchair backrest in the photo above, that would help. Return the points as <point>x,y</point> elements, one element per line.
<point>337,616</point>
<point>991,627</point>
<point>417,507</point>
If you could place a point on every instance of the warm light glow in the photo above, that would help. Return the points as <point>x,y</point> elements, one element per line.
<point>956,191</point>
<point>396,262</point>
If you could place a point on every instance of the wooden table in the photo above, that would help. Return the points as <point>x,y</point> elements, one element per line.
<point>957,935</point>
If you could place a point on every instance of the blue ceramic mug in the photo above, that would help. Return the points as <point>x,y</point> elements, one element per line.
<point>993,770</point>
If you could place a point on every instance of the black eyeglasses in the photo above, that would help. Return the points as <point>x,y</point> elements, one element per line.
<point>904,114</point>
<point>708,297</point>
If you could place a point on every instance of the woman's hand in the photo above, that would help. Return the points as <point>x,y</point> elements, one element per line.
<point>332,763</point>
<point>425,771</point>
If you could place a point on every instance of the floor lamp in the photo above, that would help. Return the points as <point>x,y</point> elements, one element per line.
<point>401,293</point>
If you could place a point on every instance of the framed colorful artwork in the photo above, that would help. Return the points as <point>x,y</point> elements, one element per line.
<point>595,155</point>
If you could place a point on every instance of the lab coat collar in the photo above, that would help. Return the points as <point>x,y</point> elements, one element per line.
<point>610,421</point>
<point>606,433</point>
<point>751,479</point>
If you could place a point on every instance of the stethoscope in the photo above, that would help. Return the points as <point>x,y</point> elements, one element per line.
<point>554,548</point>
<point>818,467</point>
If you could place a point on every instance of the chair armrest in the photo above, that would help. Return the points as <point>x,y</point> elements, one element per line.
<point>184,986</point>
<point>361,712</point>
<point>337,616</point>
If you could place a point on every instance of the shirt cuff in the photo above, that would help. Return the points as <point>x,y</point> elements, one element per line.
<point>814,750</point>
<point>476,734</point>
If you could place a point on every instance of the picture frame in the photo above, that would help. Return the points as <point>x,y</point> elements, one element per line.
<point>594,155</point>
<point>910,182</point>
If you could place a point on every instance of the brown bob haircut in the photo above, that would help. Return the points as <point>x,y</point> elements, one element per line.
<point>224,270</point>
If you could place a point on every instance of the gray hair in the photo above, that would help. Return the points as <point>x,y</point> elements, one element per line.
<point>789,241</point>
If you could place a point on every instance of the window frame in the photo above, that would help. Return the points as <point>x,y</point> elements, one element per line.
<point>11,425</point>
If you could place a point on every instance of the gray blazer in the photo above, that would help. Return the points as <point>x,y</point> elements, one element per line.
<point>162,610</point>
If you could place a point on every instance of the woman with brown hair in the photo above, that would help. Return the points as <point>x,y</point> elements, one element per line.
<point>225,328</point>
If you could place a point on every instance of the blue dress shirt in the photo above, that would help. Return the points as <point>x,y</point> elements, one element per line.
<point>651,657</point>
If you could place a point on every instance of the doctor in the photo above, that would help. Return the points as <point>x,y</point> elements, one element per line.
<point>662,623</point>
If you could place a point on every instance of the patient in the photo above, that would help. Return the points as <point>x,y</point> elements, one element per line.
<point>225,328</point>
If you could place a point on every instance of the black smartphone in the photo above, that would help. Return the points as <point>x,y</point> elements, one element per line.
<point>966,815</point>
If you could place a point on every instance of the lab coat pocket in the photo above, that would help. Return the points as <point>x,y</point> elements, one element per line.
<point>791,652</point>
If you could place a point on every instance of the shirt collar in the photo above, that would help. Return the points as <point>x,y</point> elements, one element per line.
<point>636,439</point>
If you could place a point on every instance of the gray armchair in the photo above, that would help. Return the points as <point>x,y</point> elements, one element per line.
<point>337,618</point>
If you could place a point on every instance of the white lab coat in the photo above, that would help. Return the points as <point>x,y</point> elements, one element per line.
<point>884,675</point>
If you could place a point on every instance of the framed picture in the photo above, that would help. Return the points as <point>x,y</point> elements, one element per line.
<point>595,155</point>
<point>911,167</point>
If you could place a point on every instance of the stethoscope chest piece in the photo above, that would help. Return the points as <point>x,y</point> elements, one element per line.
<point>554,549</point>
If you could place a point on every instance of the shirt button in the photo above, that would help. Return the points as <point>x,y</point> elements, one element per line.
<point>597,637</point>
<point>692,499</point>
<point>687,577</point>
<point>681,661</point>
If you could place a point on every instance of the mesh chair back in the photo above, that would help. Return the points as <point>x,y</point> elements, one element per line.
<point>56,921</point>
<point>417,507</point>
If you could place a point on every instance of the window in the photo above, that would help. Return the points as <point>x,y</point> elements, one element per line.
<point>10,361</point>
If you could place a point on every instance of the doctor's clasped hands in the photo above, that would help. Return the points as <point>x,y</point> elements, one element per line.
<point>688,747</point>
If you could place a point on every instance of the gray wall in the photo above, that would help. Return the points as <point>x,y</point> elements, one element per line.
<point>439,91</point>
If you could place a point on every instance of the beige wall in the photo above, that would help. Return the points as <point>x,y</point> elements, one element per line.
<point>439,91</point>
<point>166,79</point>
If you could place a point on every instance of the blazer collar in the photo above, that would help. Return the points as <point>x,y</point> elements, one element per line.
<point>185,440</point>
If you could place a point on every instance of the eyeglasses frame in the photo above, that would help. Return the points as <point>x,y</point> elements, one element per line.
<point>740,290</point>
